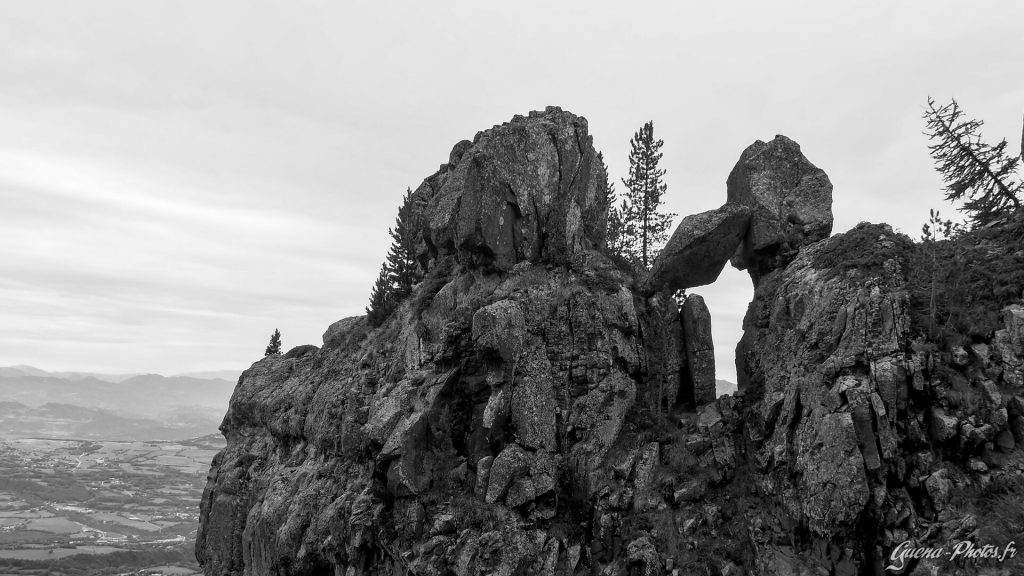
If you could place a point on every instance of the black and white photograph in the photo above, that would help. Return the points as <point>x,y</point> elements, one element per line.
<point>465,288</point>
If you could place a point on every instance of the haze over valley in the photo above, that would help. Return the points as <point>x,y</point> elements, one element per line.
<point>102,473</point>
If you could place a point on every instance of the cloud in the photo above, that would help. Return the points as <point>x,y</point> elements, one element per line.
<point>179,178</point>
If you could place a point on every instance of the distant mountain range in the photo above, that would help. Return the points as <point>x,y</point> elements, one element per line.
<point>22,370</point>
<point>68,421</point>
<point>113,407</point>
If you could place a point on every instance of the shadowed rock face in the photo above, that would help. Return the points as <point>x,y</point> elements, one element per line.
<point>790,199</point>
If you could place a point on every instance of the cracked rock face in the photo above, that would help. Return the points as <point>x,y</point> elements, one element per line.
<point>525,190</point>
<point>824,358</point>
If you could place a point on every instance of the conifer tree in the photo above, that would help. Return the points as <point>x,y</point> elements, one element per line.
<point>400,271</point>
<point>401,262</point>
<point>380,298</point>
<point>274,348</point>
<point>614,226</point>
<point>979,174</point>
<point>645,226</point>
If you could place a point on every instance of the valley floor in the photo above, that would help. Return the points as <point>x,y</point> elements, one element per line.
<point>85,507</point>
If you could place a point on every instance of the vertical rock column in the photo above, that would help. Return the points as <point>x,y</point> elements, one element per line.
<point>699,349</point>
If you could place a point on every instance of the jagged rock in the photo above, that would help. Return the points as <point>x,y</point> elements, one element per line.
<point>643,474</point>
<point>1008,345</point>
<point>708,416</point>
<point>960,356</point>
<point>525,190</point>
<point>443,524</point>
<point>643,552</point>
<point>483,475</point>
<point>543,471</point>
<point>341,329</point>
<point>599,416</point>
<point>699,249</point>
<point>299,351</point>
<point>976,465</point>
<point>508,466</point>
<point>982,353</point>
<point>834,488</point>
<point>700,350</point>
<point>497,407</point>
<point>943,426</point>
<point>500,327</point>
<point>712,515</point>
<point>692,491</point>
<point>991,393</point>
<point>863,423</point>
<point>791,201</point>
<point>999,418</point>
<point>533,402</point>
<point>521,492</point>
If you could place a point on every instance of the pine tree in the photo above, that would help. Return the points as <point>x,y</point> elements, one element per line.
<point>975,172</point>
<point>614,233</point>
<point>380,298</point>
<point>935,231</point>
<point>400,271</point>
<point>274,348</point>
<point>644,225</point>
<point>401,262</point>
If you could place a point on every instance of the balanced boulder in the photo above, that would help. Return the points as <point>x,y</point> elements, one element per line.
<point>699,249</point>
<point>791,201</point>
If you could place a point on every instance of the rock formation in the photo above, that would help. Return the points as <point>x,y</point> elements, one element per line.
<point>525,190</point>
<point>699,376</point>
<point>699,249</point>
<point>791,201</point>
<point>532,408</point>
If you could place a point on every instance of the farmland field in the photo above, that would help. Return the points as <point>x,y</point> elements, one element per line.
<point>95,507</point>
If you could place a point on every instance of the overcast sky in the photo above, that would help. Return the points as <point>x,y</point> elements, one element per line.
<point>177,179</point>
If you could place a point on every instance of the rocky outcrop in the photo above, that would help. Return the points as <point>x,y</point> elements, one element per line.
<point>790,199</point>
<point>531,408</point>
<point>525,190</point>
<point>699,376</point>
<point>824,365</point>
<point>858,429</point>
<point>480,424</point>
<point>699,249</point>
<point>777,202</point>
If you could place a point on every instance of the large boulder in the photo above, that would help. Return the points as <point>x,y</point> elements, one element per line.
<point>791,201</point>
<point>525,190</point>
<point>699,248</point>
